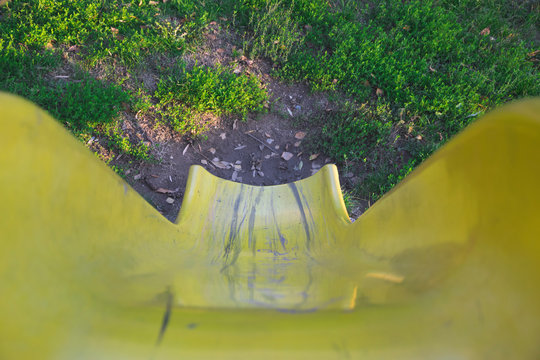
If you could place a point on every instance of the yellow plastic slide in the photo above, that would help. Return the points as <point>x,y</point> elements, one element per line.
<point>445,266</point>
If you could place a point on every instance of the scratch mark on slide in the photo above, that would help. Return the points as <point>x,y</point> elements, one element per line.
<point>294,189</point>
<point>252,241</point>
<point>166,316</point>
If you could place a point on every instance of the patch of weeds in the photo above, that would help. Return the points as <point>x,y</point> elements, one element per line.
<point>365,140</point>
<point>127,30</point>
<point>438,72</point>
<point>80,104</point>
<point>118,170</point>
<point>117,140</point>
<point>141,101</point>
<point>274,32</point>
<point>355,131</point>
<point>349,199</point>
<point>377,183</point>
<point>188,93</point>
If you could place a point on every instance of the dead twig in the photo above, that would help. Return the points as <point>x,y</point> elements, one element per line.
<point>210,162</point>
<point>262,142</point>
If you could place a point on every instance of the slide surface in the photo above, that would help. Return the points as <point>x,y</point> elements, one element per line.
<point>446,265</point>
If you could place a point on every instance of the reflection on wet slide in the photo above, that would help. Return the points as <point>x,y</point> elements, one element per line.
<point>444,266</point>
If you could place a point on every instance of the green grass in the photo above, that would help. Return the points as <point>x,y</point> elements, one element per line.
<point>187,93</point>
<point>82,38</point>
<point>124,30</point>
<point>429,63</point>
<point>404,76</point>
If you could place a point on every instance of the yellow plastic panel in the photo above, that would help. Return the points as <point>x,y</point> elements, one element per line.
<point>447,265</point>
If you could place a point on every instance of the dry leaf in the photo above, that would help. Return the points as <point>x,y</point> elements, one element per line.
<point>290,112</point>
<point>300,135</point>
<point>153,3</point>
<point>220,165</point>
<point>533,54</point>
<point>406,28</point>
<point>486,31</point>
<point>166,191</point>
<point>204,162</point>
<point>212,151</point>
<point>313,157</point>
<point>223,136</point>
<point>379,92</point>
<point>185,150</point>
<point>287,156</point>
<point>418,137</point>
